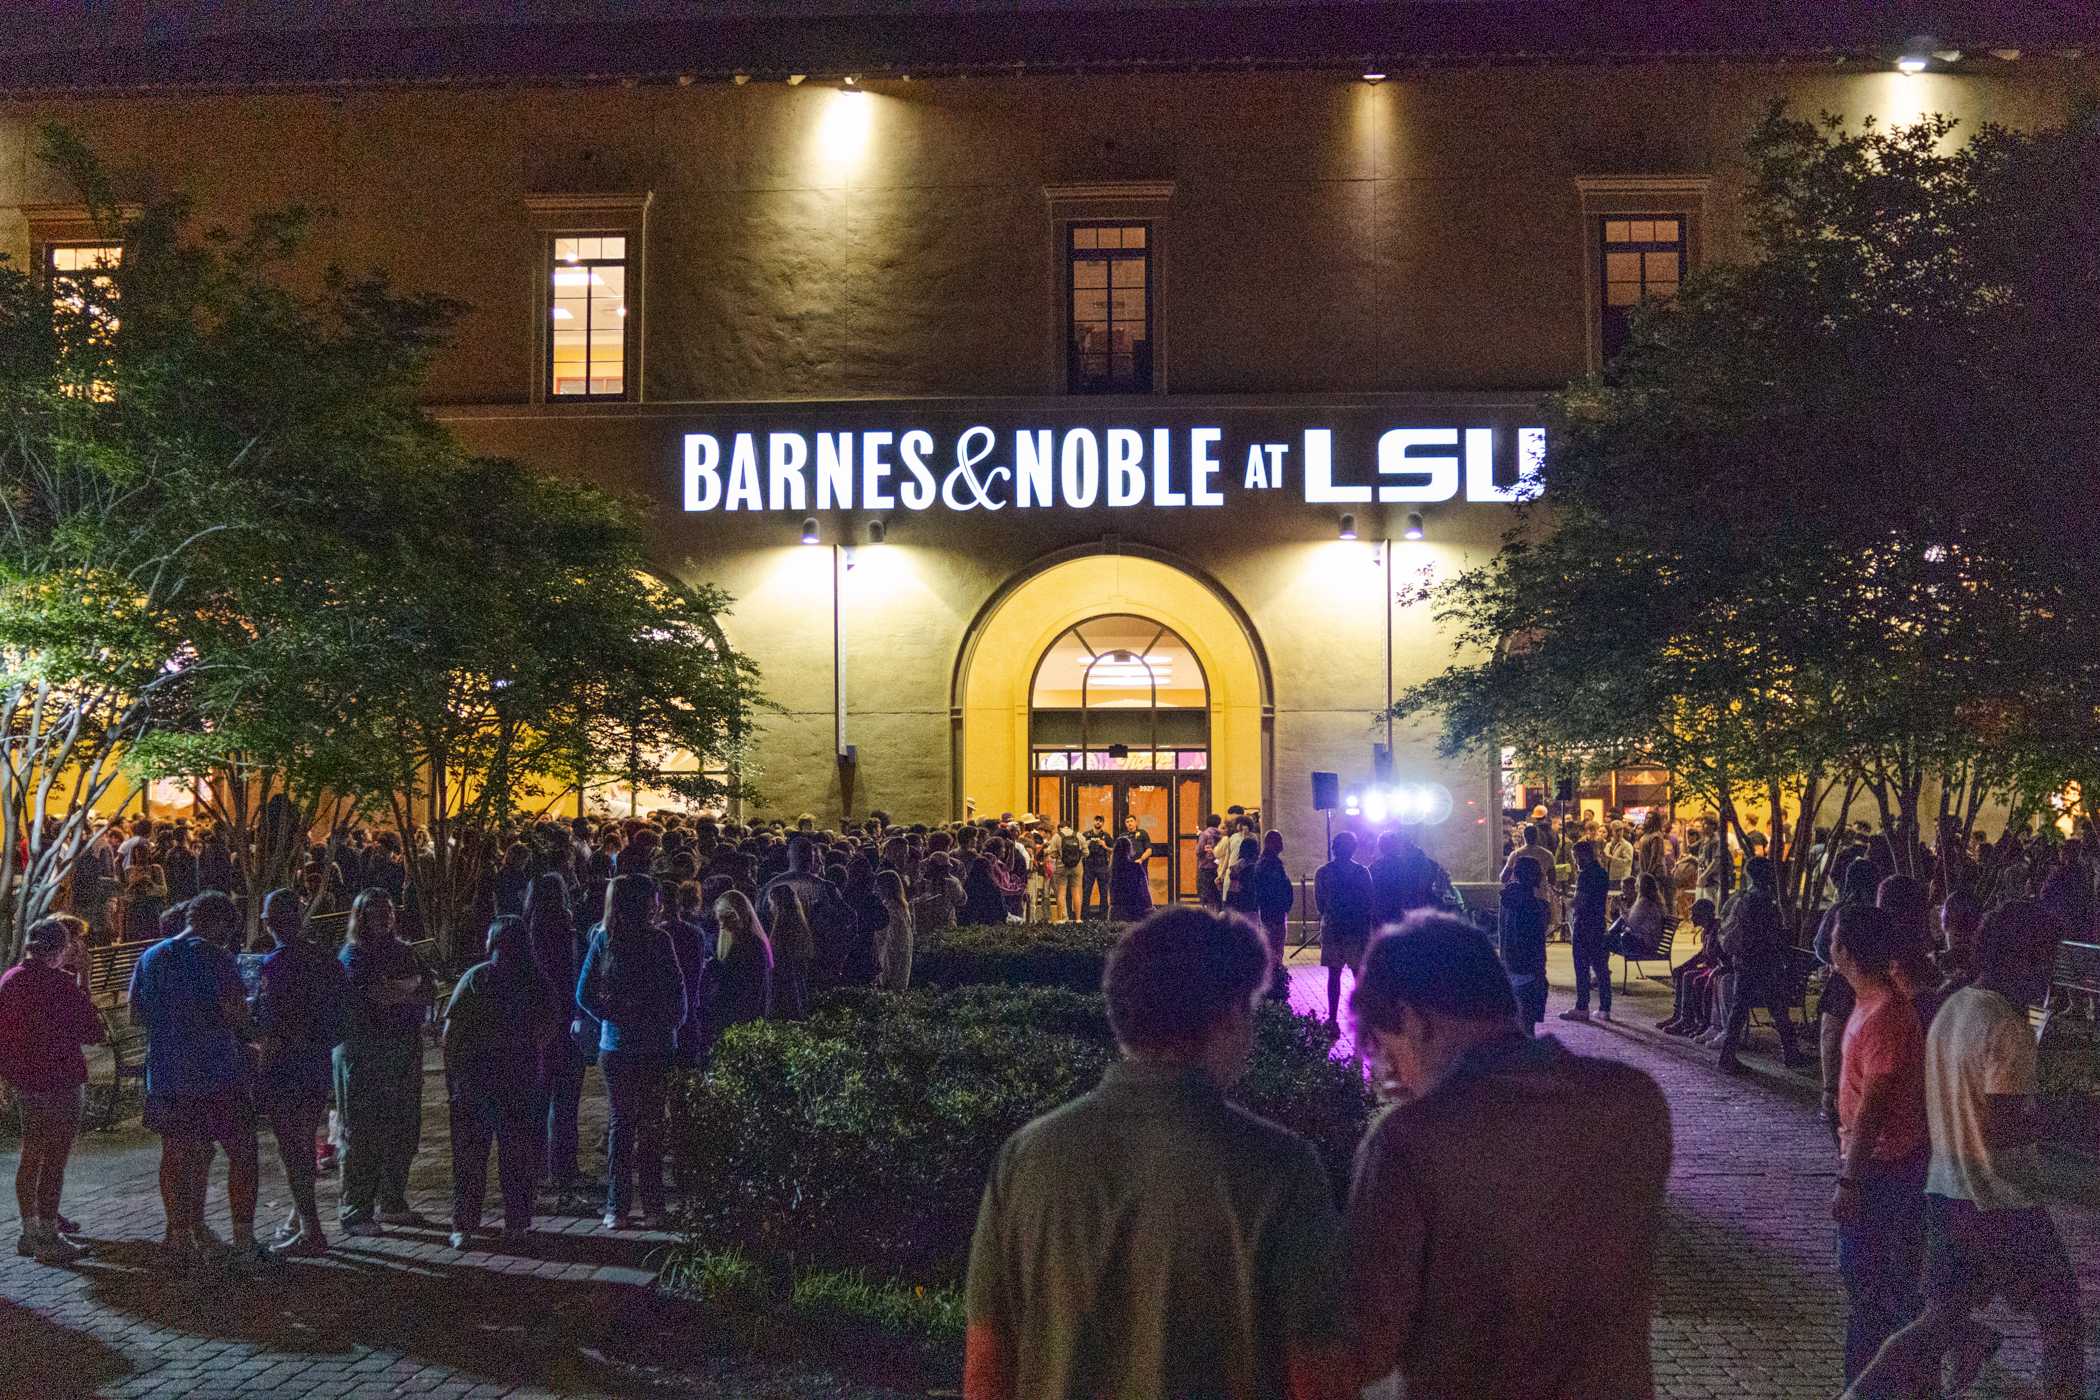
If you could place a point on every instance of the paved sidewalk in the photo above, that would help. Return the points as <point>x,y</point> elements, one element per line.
<point>1750,1305</point>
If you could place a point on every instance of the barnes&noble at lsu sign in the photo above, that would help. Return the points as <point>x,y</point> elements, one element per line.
<point>951,460</point>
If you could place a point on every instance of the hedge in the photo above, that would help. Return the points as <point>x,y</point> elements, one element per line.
<point>1016,955</point>
<point>860,1139</point>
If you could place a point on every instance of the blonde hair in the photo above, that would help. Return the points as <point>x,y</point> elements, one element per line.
<point>726,942</point>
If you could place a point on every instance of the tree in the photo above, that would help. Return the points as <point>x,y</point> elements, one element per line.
<point>1819,528</point>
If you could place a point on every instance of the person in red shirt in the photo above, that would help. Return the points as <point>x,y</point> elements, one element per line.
<point>45,1017</point>
<point>1883,1144</point>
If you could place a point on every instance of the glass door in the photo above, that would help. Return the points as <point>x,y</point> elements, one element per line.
<point>1191,794</point>
<point>1147,801</point>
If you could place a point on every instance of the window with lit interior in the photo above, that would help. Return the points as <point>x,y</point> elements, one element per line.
<point>1109,326</point>
<point>587,340</point>
<point>82,282</point>
<point>1643,257</point>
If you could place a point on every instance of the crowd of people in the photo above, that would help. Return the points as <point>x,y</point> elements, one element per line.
<point>634,944</point>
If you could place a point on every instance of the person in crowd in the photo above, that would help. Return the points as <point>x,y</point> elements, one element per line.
<point>1754,937</point>
<point>551,934</point>
<point>1240,894</point>
<point>1139,838</point>
<point>1642,931</point>
<point>1534,849</point>
<point>1618,855</point>
<point>497,1025</point>
<point>893,944</point>
<point>379,1068</point>
<point>1879,1201</point>
<point>1508,1190</point>
<point>1856,886</point>
<point>983,903</point>
<point>1961,916</point>
<point>186,992</point>
<point>1692,980</point>
<point>1273,895</point>
<point>690,922</point>
<point>632,984</point>
<point>1592,950</point>
<point>1094,871</point>
<point>512,880</point>
<point>1403,879</point>
<point>1150,1238</point>
<point>1208,893</point>
<point>1525,918</point>
<point>144,900</point>
<point>938,897</point>
<point>1987,1233</point>
<point>1071,863</point>
<point>45,1017</point>
<point>1342,898</point>
<point>1129,883</point>
<point>300,998</point>
<point>793,947</point>
<point>824,911</point>
<point>738,986</point>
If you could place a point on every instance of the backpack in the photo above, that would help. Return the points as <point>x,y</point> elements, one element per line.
<point>1069,851</point>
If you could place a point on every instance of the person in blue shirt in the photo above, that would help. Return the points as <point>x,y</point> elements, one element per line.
<point>632,983</point>
<point>300,1000</point>
<point>379,1068</point>
<point>186,992</point>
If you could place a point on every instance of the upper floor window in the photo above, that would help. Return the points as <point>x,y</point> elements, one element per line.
<point>1109,328</point>
<point>1643,257</point>
<point>587,339</point>
<point>81,278</point>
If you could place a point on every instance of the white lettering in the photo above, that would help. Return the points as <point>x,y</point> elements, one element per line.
<point>1079,467</point>
<point>786,455</point>
<point>917,493</point>
<point>1319,472</point>
<point>1439,468</point>
<point>1126,477</point>
<point>874,472</point>
<point>703,477</point>
<point>834,471</point>
<point>1163,492</point>
<point>1257,469</point>
<point>743,475</point>
<point>1275,451</point>
<point>1203,466</point>
<point>1033,461</point>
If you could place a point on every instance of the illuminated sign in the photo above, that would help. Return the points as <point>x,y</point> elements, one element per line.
<point>963,467</point>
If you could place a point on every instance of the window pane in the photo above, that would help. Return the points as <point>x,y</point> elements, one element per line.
<point>1086,238</point>
<point>1622,267</point>
<point>1659,267</point>
<point>1134,236</point>
<point>1129,307</point>
<point>1127,272</point>
<point>1090,272</point>
<point>1643,231</point>
<point>1089,305</point>
<point>1666,230</point>
<point>1617,231</point>
<point>612,247</point>
<point>1621,293</point>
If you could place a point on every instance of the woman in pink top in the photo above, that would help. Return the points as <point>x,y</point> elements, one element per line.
<point>45,1017</point>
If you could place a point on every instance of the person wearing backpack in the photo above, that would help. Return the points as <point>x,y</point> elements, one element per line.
<point>1071,855</point>
<point>1753,936</point>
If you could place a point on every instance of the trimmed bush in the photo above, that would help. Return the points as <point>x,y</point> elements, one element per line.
<point>861,1138</point>
<point>1016,955</point>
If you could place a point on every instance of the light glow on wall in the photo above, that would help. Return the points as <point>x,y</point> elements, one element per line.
<point>844,131</point>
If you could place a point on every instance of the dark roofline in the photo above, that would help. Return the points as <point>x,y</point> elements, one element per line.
<point>1399,35</point>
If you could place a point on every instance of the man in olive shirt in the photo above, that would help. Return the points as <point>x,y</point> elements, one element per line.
<point>1151,1241</point>
<point>1503,1216</point>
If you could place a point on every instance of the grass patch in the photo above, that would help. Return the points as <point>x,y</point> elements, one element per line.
<point>931,1314</point>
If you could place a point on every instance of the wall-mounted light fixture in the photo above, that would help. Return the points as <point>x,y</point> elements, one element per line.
<point>1414,526</point>
<point>1348,530</point>
<point>809,531</point>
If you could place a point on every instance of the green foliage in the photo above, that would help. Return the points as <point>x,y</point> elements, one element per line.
<point>1820,527</point>
<point>911,1310</point>
<point>727,1278</point>
<point>1048,955</point>
<point>860,1138</point>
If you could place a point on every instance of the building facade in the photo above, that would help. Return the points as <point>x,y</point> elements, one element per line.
<point>1066,436</point>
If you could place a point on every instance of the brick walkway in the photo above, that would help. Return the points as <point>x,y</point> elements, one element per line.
<point>1750,1305</point>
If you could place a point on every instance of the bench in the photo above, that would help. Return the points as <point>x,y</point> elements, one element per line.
<point>109,984</point>
<point>1801,968</point>
<point>1663,952</point>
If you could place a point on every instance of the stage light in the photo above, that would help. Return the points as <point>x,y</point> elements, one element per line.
<point>1352,802</point>
<point>1375,806</point>
<point>809,531</point>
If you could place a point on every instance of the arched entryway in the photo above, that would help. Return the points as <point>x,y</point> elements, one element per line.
<point>1126,627</point>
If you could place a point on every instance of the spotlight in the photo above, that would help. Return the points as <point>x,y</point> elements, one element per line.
<point>1375,806</point>
<point>1352,803</point>
<point>877,532</point>
<point>809,531</point>
<point>1910,63</point>
<point>1348,526</point>
<point>1414,525</point>
<point>1374,76</point>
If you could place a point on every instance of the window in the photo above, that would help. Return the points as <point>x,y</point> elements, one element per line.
<point>587,308</point>
<point>81,279</point>
<point>1643,257</point>
<point>1109,336</point>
